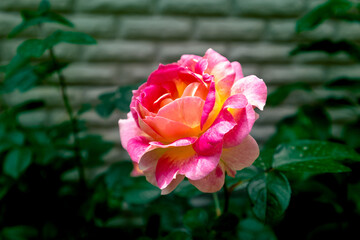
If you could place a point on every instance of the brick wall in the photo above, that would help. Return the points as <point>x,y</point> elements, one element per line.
<point>135,35</point>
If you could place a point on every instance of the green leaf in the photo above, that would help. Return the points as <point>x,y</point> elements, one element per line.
<point>329,9</point>
<point>186,189</point>
<point>117,177</point>
<point>313,156</point>
<point>16,137</point>
<point>105,109</point>
<point>310,122</point>
<point>44,6</point>
<point>141,192</point>
<point>15,64</point>
<point>252,229</point>
<point>31,18</point>
<point>93,147</point>
<point>17,161</point>
<point>265,159</point>
<point>281,93</point>
<point>24,79</point>
<point>31,48</point>
<point>19,233</point>
<point>84,108</point>
<point>60,36</point>
<point>330,47</point>
<point>351,134</point>
<point>196,219</point>
<point>270,194</point>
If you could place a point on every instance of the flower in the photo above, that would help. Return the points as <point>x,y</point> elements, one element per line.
<point>192,119</point>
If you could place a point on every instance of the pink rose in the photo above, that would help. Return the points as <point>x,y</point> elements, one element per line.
<point>192,119</point>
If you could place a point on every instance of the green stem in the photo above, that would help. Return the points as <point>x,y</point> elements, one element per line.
<point>226,198</point>
<point>72,117</point>
<point>217,204</point>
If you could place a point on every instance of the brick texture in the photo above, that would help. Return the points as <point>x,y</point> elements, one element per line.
<point>156,28</point>
<point>199,7</point>
<point>134,36</point>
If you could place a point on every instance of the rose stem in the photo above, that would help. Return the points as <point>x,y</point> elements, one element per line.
<point>217,204</point>
<point>73,119</point>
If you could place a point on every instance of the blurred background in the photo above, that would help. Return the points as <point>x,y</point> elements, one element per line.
<point>134,36</point>
<point>70,174</point>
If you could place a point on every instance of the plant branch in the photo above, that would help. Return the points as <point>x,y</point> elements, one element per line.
<point>226,198</point>
<point>217,204</point>
<point>72,117</point>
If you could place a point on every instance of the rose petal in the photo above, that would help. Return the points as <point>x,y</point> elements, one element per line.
<point>128,129</point>
<point>189,61</point>
<point>222,70</point>
<point>210,141</point>
<point>212,182</point>
<point>253,88</point>
<point>186,110</point>
<point>170,130</point>
<point>245,118</point>
<point>238,70</point>
<point>242,155</point>
<point>165,164</point>
<point>174,183</point>
<point>136,170</point>
<point>137,147</point>
<point>209,104</point>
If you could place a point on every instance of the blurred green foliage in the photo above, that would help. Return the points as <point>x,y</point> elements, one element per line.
<point>291,192</point>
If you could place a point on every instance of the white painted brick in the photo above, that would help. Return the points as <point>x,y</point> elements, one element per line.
<point>260,52</point>
<point>91,74</point>
<point>120,51</point>
<point>282,8</point>
<point>95,25</point>
<point>114,6</point>
<point>191,7</point>
<point>156,28</point>
<point>33,4</point>
<point>343,71</point>
<point>171,52</point>
<point>282,74</point>
<point>230,29</point>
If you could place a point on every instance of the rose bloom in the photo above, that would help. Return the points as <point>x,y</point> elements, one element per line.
<point>192,119</point>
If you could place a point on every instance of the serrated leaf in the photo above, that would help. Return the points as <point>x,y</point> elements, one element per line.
<point>270,194</point>
<point>17,161</point>
<point>60,36</point>
<point>281,93</point>
<point>313,156</point>
<point>31,48</point>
